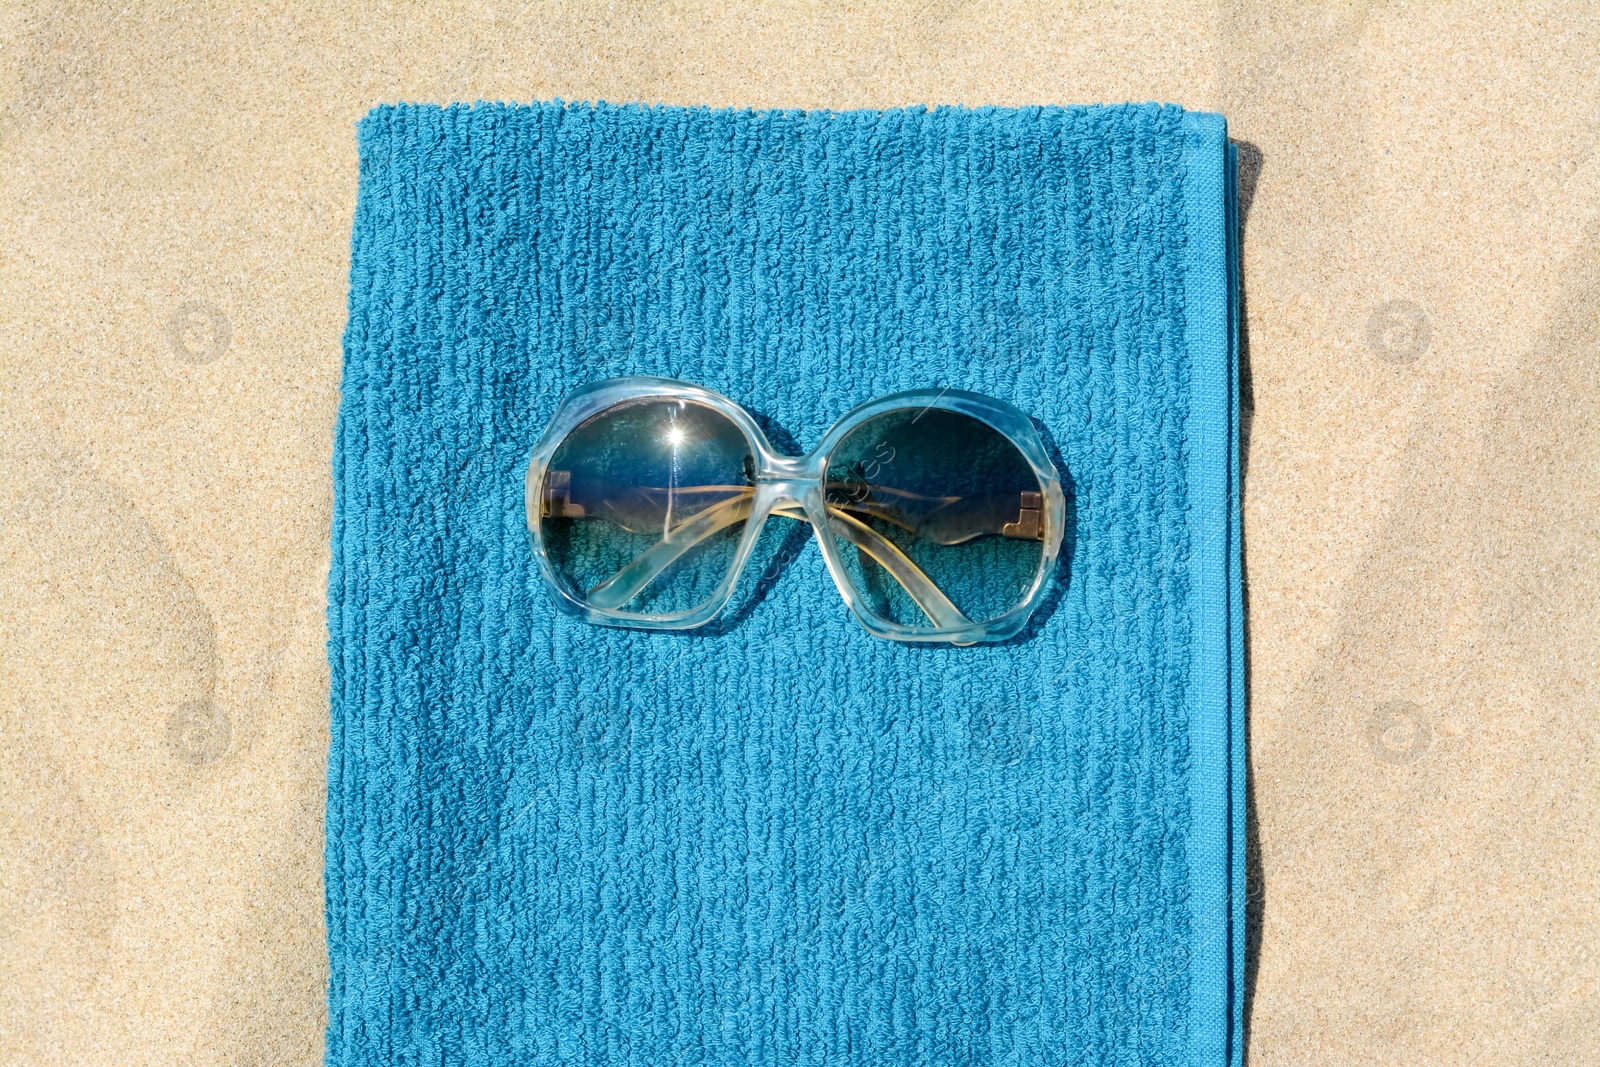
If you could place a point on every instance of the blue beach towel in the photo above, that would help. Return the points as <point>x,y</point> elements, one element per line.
<point>780,840</point>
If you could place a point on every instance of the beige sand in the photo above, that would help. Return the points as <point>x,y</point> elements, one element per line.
<point>1423,486</point>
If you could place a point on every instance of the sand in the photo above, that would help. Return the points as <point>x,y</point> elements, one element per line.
<point>1422,508</point>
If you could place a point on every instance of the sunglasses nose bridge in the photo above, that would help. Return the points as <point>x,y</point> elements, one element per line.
<point>789,492</point>
<point>790,479</point>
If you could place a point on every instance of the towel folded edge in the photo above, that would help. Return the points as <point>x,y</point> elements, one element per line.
<point>1216,701</point>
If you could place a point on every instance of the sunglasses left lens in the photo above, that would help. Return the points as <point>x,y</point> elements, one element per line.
<point>643,505</point>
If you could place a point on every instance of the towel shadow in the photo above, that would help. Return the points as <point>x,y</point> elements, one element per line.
<point>1249,162</point>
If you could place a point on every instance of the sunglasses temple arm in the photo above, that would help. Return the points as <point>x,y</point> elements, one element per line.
<point>940,611</point>
<point>627,583</point>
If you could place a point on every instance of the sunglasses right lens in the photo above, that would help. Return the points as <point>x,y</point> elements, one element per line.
<point>643,505</point>
<point>934,510</point>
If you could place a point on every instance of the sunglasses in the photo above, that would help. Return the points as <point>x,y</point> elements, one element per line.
<point>938,512</point>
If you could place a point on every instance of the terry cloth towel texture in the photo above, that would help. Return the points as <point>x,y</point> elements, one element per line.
<point>780,840</point>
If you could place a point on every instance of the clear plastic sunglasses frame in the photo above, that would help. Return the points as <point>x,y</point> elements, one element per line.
<point>794,487</point>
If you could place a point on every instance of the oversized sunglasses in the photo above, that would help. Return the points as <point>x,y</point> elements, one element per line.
<point>938,512</point>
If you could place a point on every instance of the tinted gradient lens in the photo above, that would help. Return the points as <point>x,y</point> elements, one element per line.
<point>950,494</point>
<point>643,505</point>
